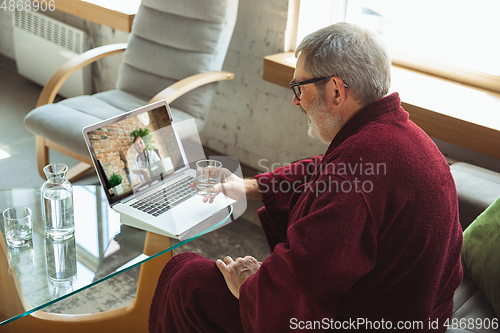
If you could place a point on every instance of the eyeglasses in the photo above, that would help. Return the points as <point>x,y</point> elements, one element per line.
<point>296,85</point>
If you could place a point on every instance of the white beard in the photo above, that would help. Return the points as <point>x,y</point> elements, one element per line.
<point>313,131</point>
<point>322,125</point>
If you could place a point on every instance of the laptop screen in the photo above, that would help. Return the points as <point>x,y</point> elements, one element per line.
<point>135,151</point>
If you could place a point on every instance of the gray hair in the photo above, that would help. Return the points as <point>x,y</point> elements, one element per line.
<point>358,56</point>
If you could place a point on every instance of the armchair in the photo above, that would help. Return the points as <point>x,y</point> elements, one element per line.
<point>180,45</point>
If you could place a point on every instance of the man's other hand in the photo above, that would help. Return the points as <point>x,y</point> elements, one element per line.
<point>237,271</point>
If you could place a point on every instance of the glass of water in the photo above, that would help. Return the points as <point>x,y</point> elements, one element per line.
<point>18,225</point>
<point>208,174</point>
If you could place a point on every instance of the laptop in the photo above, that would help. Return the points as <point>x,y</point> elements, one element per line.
<point>154,192</point>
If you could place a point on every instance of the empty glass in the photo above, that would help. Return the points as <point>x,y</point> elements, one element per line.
<point>18,226</point>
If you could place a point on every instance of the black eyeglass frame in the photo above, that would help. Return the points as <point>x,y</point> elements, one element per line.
<point>295,86</point>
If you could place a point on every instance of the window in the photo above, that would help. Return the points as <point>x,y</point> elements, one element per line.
<point>456,39</point>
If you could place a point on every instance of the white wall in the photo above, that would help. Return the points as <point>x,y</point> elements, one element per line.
<point>251,120</point>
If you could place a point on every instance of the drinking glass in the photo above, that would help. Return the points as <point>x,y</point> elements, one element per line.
<point>208,174</point>
<point>18,226</point>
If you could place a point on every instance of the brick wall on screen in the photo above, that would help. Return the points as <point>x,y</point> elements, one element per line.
<point>108,141</point>
<point>166,136</point>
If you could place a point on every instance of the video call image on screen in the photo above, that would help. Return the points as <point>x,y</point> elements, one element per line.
<point>136,152</point>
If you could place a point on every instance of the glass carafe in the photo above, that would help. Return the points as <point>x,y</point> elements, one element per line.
<point>57,203</point>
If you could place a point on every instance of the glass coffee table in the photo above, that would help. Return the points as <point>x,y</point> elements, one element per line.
<point>45,272</point>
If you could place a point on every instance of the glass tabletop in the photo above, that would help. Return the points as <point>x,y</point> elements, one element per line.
<point>45,271</point>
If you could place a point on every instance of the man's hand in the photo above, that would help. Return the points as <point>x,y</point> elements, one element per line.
<point>234,187</point>
<point>237,271</point>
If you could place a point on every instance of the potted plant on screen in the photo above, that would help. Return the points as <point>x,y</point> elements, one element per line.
<point>146,137</point>
<point>115,182</point>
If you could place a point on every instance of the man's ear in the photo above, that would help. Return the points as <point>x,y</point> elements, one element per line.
<point>338,90</point>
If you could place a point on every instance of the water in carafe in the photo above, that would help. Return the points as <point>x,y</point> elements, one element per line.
<point>57,203</point>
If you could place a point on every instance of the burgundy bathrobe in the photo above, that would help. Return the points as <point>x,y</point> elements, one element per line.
<point>369,230</point>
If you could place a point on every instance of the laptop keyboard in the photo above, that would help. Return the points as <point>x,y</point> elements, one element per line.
<point>162,200</point>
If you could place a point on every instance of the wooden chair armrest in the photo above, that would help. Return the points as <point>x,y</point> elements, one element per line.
<point>50,90</point>
<point>183,86</point>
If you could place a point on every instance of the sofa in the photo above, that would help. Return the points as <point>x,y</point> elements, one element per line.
<point>477,189</point>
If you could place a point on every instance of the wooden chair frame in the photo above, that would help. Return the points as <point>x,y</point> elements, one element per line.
<point>50,90</point>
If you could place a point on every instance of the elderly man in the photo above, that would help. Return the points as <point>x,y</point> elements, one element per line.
<point>365,237</point>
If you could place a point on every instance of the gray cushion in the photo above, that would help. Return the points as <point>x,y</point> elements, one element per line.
<point>206,10</point>
<point>172,40</point>
<point>469,303</point>
<point>477,188</point>
<point>205,42</point>
<point>164,61</point>
<point>63,122</point>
